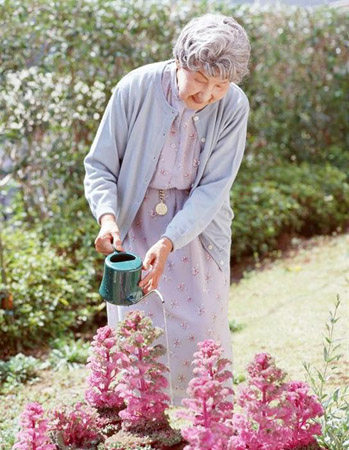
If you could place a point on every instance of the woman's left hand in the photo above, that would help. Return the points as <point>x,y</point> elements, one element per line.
<point>154,262</point>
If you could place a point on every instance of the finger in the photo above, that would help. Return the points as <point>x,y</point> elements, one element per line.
<point>104,245</point>
<point>117,244</point>
<point>144,281</point>
<point>148,261</point>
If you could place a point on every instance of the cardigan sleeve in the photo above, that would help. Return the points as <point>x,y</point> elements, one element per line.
<point>221,169</point>
<point>102,163</point>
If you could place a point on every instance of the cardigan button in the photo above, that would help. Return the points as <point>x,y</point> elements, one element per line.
<point>203,139</point>
<point>210,247</point>
<point>196,118</point>
<point>222,262</point>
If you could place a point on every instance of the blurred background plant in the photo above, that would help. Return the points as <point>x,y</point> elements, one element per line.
<point>18,370</point>
<point>68,353</point>
<point>335,421</point>
<point>60,61</point>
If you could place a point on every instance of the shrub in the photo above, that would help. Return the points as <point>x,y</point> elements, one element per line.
<point>68,353</point>
<point>305,199</point>
<point>49,292</point>
<point>18,369</point>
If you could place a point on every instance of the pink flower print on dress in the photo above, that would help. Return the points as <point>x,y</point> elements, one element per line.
<point>176,343</point>
<point>170,265</point>
<point>185,125</point>
<point>191,337</point>
<point>184,325</point>
<point>181,286</point>
<point>164,172</point>
<point>185,259</point>
<point>187,174</point>
<point>205,291</point>
<point>181,378</point>
<point>186,363</point>
<point>138,223</point>
<point>189,299</point>
<point>208,277</point>
<point>153,214</point>
<point>195,270</point>
<point>174,304</point>
<point>208,257</point>
<point>214,317</point>
<point>196,163</point>
<point>173,145</point>
<point>218,297</point>
<point>192,135</point>
<point>201,310</point>
<point>166,278</point>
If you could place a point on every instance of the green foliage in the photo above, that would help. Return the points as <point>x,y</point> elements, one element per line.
<point>50,293</point>
<point>235,326</point>
<point>288,198</point>
<point>335,421</point>
<point>17,370</point>
<point>68,353</point>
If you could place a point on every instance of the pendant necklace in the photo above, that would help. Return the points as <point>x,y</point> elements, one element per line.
<point>161,207</point>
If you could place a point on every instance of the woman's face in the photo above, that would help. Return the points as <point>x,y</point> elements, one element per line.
<point>197,89</point>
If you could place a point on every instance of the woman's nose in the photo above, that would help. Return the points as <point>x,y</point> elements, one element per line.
<point>206,95</point>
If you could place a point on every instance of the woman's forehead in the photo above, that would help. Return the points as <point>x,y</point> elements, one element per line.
<point>217,78</point>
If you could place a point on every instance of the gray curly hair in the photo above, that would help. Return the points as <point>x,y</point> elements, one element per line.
<point>216,44</point>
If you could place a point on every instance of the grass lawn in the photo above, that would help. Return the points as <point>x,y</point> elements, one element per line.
<point>283,306</point>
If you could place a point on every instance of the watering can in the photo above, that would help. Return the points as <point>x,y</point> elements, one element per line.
<point>122,273</point>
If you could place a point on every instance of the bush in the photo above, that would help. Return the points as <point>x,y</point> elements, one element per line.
<point>50,294</point>
<point>307,199</point>
<point>18,369</point>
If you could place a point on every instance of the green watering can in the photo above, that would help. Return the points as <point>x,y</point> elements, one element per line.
<point>122,273</point>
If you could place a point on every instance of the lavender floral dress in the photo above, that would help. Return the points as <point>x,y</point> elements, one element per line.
<point>194,288</point>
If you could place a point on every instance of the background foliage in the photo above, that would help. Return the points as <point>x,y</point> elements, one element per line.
<point>59,63</point>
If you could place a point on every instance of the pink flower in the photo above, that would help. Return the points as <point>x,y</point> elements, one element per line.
<point>275,415</point>
<point>209,409</point>
<point>33,433</point>
<point>77,426</point>
<point>105,363</point>
<point>142,382</point>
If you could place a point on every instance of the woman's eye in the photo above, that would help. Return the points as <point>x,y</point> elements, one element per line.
<point>200,81</point>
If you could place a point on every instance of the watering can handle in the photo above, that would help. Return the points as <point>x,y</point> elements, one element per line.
<point>115,250</point>
<point>156,292</point>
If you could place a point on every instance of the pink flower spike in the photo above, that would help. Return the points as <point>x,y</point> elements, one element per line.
<point>33,433</point>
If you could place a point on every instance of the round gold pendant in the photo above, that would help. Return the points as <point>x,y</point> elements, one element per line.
<point>161,209</point>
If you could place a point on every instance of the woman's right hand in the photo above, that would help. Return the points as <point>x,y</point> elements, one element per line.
<point>108,237</point>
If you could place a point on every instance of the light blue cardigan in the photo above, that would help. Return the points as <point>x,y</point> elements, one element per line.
<point>125,151</point>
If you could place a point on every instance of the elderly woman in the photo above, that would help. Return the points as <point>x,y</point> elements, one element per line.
<point>158,178</point>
